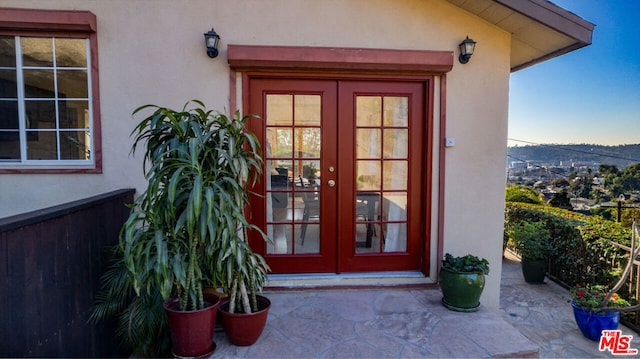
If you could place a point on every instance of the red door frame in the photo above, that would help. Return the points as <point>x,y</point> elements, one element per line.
<point>359,63</point>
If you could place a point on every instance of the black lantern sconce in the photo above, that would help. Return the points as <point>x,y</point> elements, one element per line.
<point>211,39</point>
<point>467,46</point>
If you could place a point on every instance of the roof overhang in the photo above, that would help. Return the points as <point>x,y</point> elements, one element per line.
<point>540,30</point>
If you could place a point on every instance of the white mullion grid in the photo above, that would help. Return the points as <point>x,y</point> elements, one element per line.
<point>22,113</point>
<point>55,97</point>
<point>90,99</point>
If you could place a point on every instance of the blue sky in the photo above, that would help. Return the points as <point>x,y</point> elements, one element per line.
<point>591,95</point>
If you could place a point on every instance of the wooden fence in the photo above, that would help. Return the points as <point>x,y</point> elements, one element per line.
<point>50,265</point>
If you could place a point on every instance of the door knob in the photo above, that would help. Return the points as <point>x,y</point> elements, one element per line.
<point>331,183</point>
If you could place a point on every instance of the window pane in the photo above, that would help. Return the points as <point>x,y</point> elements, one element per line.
<point>8,84</point>
<point>368,175</point>
<point>37,51</point>
<point>279,110</point>
<point>395,237</point>
<point>73,84</point>
<point>307,238</point>
<point>9,146</point>
<point>73,114</point>
<point>71,52</point>
<point>279,142</point>
<point>396,111</point>
<point>75,145</point>
<point>281,235</point>
<point>38,83</point>
<point>307,110</point>
<point>395,175</point>
<point>394,207</point>
<point>396,143</point>
<point>41,145</point>
<point>368,143</point>
<point>368,111</point>
<point>307,143</point>
<point>40,114</point>
<point>7,51</point>
<point>8,115</point>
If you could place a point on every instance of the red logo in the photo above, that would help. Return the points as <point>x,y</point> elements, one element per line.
<point>616,343</point>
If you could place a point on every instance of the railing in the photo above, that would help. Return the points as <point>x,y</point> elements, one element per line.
<point>632,287</point>
<point>50,266</point>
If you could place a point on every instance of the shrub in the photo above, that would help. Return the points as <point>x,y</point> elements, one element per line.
<point>523,194</point>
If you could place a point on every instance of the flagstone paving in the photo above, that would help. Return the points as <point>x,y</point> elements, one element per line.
<point>534,321</point>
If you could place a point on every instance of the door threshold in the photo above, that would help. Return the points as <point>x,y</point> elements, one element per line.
<point>348,280</point>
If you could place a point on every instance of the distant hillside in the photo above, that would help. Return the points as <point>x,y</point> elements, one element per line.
<point>591,155</point>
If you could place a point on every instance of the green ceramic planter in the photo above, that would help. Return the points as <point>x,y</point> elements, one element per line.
<point>461,290</point>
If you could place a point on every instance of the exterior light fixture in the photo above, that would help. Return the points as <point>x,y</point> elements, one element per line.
<point>211,39</point>
<point>467,46</point>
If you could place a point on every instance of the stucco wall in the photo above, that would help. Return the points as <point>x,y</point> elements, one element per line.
<point>152,51</point>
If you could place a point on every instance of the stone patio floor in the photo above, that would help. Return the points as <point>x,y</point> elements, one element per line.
<point>533,321</point>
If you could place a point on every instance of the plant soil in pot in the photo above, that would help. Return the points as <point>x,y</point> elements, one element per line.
<point>245,329</point>
<point>192,331</point>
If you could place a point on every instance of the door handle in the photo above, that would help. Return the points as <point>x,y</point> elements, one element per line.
<point>331,183</point>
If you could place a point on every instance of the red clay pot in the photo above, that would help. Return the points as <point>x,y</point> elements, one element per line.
<point>245,329</point>
<point>192,331</point>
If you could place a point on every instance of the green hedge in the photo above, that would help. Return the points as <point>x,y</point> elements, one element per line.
<point>582,251</point>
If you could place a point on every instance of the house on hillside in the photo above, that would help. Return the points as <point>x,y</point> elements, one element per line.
<point>371,119</point>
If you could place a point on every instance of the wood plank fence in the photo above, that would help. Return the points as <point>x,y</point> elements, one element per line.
<point>50,265</point>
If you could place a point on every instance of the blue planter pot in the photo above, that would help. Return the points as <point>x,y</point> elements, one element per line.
<point>592,324</point>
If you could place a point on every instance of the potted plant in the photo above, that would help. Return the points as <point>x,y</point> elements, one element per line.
<point>532,241</point>
<point>462,280</point>
<point>198,165</point>
<point>592,313</point>
<point>596,307</point>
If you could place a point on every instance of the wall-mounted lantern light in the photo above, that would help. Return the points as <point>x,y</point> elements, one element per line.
<point>211,39</point>
<point>467,46</point>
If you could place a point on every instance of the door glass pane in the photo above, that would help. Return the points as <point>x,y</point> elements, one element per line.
<point>279,110</point>
<point>307,110</point>
<point>368,143</point>
<point>280,142</point>
<point>368,111</point>
<point>382,150</point>
<point>307,142</point>
<point>396,143</point>
<point>368,175</point>
<point>395,175</point>
<point>293,160</point>
<point>396,111</point>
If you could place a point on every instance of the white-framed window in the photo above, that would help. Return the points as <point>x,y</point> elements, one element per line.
<point>45,102</point>
<point>49,92</point>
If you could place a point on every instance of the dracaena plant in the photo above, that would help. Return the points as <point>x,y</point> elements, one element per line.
<point>199,164</point>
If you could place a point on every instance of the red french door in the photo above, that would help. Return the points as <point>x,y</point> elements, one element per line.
<point>342,187</point>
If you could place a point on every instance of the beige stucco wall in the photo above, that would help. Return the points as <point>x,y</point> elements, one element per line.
<point>151,51</point>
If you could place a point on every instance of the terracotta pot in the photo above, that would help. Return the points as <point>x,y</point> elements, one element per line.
<point>192,331</point>
<point>245,329</point>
